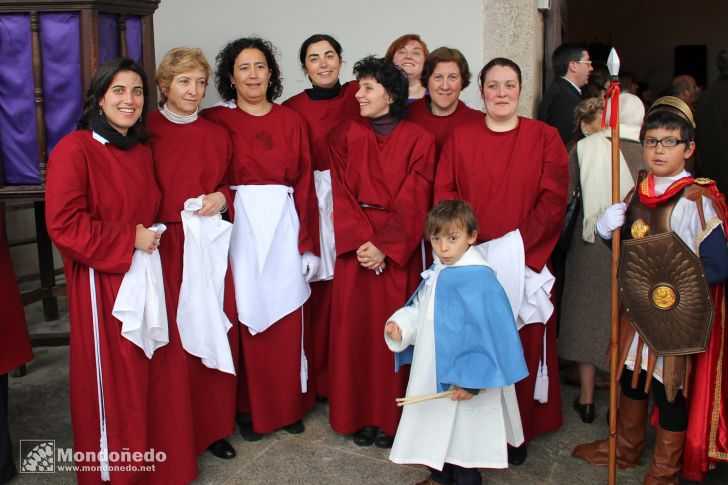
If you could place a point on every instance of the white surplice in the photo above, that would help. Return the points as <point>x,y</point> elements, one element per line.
<point>264,255</point>
<point>471,433</point>
<point>201,321</point>
<point>140,304</point>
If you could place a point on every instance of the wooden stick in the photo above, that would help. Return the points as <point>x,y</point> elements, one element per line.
<point>403,401</point>
<point>614,340</point>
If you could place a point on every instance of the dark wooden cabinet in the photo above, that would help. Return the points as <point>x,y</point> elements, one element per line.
<point>49,51</point>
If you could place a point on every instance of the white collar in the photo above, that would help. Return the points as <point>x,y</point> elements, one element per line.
<point>471,258</point>
<point>178,119</point>
<point>99,138</point>
<point>662,183</point>
<point>569,81</point>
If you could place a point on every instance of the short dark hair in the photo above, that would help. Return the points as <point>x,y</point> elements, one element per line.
<point>502,62</point>
<point>401,41</point>
<point>226,65</point>
<point>100,83</point>
<point>668,120</point>
<point>388,75</point>
<point>318,38</point>
<point>449,213</point>
<point>445,54</point>
<point>563,55</point>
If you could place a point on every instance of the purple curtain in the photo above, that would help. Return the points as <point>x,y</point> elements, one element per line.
<point>134,38</point>
<point>61,51</point>
<point>108,37</point>
<point>18,141</point>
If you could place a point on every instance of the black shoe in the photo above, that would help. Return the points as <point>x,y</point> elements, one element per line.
<point>365,436</point>
<point>246,427</point>
<point>383,440</point>
<point>585,411</point>
<point>222,449</point>
<point>516,456</point>
<point>295,428</point>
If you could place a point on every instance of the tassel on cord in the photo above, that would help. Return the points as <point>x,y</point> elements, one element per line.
<point>304,361</point>
<point>103,442</point>
<point>541,389</point>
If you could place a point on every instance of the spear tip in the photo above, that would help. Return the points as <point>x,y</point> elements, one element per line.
<point>613,63</point>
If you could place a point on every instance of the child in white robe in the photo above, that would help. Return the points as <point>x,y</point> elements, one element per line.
<point>465,340</point>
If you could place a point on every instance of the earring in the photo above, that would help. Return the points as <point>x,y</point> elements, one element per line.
<point>101,112</point>
<point>232,85</point>
<point>270,83</point>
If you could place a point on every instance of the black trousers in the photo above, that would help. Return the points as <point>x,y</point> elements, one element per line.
<point>7,466</point>
<point>673,415</point>
<point>456,474</point>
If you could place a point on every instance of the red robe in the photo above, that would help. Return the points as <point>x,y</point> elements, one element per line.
<point>95,196</point>
<point>274,149</point>
<point>393,173</point>
<point>14,344</point>
<point>191,160</point>
<point>321,116</point>
<point>515,180</point>
<point>440,126</point>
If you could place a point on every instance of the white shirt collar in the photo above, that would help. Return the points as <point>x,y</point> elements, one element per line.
<point>569,81</point>
<point>663,183</point>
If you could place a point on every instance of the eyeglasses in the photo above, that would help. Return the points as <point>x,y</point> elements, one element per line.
<point>668,142</point>
<point>581,61</point>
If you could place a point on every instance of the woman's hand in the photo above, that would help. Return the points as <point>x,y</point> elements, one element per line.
<point>460,394</point>
<point>393,331</point>
<point>212,204</point>
<point>146,240</point>
<point>370,257</point>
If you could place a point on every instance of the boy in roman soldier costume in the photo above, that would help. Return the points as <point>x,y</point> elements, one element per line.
<point>688,382</point>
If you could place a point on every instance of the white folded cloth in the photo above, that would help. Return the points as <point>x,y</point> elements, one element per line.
<point>322,180</point>
<point>140,304</point>
<point>201,321</point>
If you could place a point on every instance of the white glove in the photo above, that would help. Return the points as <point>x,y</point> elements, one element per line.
<point>309,265</point>
<point>612,218</point>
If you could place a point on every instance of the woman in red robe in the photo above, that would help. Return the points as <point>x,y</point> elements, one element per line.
<point>514,172</point>
<point>445,74</point>
<point>274,202</point>
<point>191,158</point>
<point>325,105</point>
<point>14,346</point>
<point>408,52</point>
<point>382,171</point>
<point>101,196</point>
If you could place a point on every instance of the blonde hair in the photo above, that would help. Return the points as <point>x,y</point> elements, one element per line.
<point>587,111</point>
<point>177,61</point>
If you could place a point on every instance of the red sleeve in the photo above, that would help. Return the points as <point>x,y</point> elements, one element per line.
<point>304,195</point>
<point>445,182</point>
<point>402,232</point>
<point>540,230</point>
<point>352,227</point>
<point>106,246</point>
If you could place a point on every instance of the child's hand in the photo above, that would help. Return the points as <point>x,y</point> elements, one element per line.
<point>612,218</point>
<point>393,331</point>
<point>460,394</point>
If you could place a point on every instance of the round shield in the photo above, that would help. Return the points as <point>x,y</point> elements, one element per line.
<point>665,293</point>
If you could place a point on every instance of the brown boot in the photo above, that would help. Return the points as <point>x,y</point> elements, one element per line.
<point>665,464</point>
<point>631,430</point>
